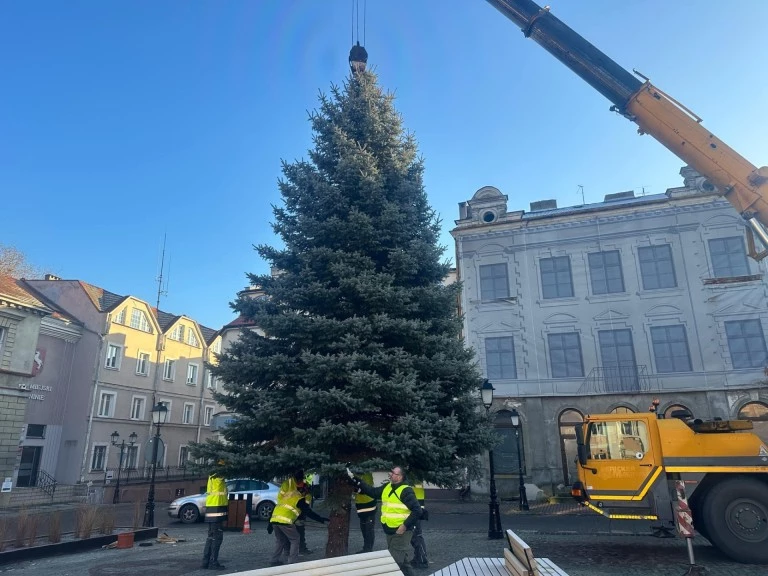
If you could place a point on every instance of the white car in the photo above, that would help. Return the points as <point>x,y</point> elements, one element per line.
<point>261,498</point>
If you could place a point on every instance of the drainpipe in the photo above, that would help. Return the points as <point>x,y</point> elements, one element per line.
<point>96,365</point>
<point>202,393</point>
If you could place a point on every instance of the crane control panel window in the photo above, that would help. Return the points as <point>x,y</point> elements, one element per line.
<point>620,440</point>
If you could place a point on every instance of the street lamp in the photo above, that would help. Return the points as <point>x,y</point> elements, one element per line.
<point>523,501</point>
<point>159,415</point>
<point>132,440</point>
<point>494,518</point>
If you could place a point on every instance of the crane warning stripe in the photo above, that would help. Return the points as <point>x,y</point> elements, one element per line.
<point>684,516</point>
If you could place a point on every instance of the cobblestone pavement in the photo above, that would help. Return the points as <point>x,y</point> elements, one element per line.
<point>578,553</point>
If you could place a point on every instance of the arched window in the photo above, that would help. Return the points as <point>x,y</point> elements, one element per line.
<point>505,454</point>
<point>675,408</point>
<point>567,420</point>
<point>757,412</point>
<point>622,410</point>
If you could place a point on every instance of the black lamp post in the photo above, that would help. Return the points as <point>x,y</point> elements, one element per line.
<point>159,414</point>
<point>132,440</point>
<point>494,518</point>
<point>523,502</point>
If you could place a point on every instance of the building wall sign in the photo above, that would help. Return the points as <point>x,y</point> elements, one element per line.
<point>36,390</point>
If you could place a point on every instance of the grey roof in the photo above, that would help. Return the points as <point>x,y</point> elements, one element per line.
<point>165,319</point>
<point>104,300</point>
<point>208,333</point>
<point>595,207</point>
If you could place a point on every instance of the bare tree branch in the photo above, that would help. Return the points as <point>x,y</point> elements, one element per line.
<point>14,263</point>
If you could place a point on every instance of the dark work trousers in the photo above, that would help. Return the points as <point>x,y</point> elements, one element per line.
<point>368,529</point>
<point>286,539</point>
<point>302,530</point>
<point>419,547</point>
<point>213,543</point>
<point>399,545</point>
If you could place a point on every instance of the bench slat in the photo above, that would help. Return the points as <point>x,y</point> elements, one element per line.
<point>474,567</point>
<point>549,568</point>
<point>514,565</point>
<point>522,551</point>
<point>379,563</point>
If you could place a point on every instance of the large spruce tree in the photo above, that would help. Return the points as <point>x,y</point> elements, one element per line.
<point>358,357</point>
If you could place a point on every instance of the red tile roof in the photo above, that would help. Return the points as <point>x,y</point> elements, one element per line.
<point>240,321</point>
<point>13,292</point>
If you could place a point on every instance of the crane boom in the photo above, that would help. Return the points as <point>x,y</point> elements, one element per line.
<point>743,184</point>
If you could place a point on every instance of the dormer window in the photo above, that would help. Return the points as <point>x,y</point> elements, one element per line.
<point>178,333</point>
<point>120,318</point>
<point>139,321</point>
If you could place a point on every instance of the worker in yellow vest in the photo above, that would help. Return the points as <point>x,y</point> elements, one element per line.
<point>306,491</point>
<point>291,504</point>
<point>366,513</point>
<point>399,512</point>
<point>216,504</point>
<point>419,545</point>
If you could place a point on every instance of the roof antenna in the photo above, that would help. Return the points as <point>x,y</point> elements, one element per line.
<point>160,290</point>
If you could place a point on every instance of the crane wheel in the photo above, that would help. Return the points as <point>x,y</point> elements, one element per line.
<point>735,514</point>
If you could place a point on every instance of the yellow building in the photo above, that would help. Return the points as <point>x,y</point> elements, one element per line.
<point>138,357</point>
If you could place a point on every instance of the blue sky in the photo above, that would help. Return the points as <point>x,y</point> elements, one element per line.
<point>123,121</point>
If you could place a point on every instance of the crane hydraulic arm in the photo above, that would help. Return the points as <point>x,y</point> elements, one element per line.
<point>744,185</point>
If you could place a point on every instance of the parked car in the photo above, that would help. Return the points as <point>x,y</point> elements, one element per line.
<point>261,498</point>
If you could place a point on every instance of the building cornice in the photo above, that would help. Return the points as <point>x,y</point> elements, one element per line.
<point>530,229</point>
<point>13,304</point>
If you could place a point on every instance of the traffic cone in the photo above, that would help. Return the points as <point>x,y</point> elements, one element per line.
<point>247,524</point>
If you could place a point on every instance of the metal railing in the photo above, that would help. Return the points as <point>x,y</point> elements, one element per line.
<point>143,474</point>
<point>46,483</point>
<point>624,379</point>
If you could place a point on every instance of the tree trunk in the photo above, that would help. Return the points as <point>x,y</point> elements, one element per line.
<point>339,504</point>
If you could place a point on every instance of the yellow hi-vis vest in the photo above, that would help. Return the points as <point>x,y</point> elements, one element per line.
<point>287,510</point>
<point>393,511</point>
<point>216,499</point>
<point>418,489</point>
<point>365,503</point>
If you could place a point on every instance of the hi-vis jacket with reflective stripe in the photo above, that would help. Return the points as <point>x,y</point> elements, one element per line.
<point>398,505</point>
<point>393,511</point>
<point>287,510</point>
<point>363,502</point>
<point>216,499</point>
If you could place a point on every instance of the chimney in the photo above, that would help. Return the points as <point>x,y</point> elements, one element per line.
<point>51,277</point>
<point>619,196</point>
<point>543,205</point>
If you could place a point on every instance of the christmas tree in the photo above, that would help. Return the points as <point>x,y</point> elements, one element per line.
<point>358,355</point>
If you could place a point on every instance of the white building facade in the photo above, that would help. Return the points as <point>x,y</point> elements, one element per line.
<point>605,307</point>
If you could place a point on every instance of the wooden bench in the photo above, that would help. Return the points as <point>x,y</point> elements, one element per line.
<point>379,563</point>
<point>518,561</point>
